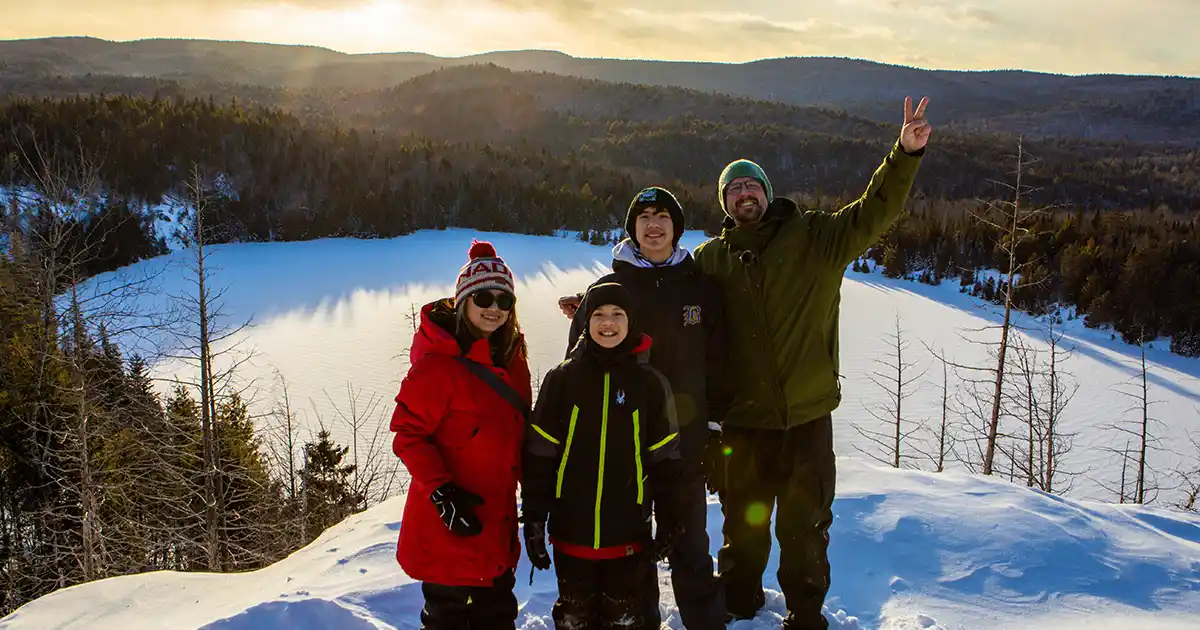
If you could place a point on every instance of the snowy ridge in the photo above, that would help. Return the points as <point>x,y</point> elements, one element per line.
<point>910,550</point>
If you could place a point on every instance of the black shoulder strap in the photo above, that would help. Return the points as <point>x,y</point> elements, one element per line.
<point>495,382</point>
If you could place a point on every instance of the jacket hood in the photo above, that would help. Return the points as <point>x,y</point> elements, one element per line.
<point>640,351</point>
<point>627,252</point>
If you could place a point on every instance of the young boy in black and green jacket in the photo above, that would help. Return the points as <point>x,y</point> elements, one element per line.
<point>602,447</point>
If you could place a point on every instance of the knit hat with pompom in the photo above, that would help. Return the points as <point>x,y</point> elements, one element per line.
<point>484,270</point>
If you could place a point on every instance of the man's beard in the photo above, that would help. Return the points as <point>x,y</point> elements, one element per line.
<point>751,210</point>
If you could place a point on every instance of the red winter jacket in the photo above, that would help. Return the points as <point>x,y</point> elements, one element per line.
<point>452,426</point>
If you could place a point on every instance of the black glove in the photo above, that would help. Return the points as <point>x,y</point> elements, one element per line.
<point>457,508</point>
<point>535,543</point>
<point>714,462</point>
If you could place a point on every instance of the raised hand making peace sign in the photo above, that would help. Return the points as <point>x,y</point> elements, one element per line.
<point>916,130</point>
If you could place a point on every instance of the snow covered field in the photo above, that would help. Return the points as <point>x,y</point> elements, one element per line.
<point>334,313</point>
<point>910,551</point>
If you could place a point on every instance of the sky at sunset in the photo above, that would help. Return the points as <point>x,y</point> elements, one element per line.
<point>1066,36</point>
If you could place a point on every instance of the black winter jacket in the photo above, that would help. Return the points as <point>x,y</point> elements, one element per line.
<point>683,312</point>
<point>601,446</point>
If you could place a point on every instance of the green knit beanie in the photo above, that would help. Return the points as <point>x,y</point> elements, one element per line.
<point>743,168</point>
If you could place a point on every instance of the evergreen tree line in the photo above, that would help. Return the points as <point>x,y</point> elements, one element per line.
<point>101,476</point>
<point>288,176</point>
<point>1137,272</point>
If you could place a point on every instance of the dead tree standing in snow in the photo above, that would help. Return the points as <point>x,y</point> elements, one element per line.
<point>1042,391</point>
<point>943,441</point>
<point>895,377</point>
<point>1143,430</point>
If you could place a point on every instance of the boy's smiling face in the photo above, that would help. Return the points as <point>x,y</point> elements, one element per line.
<point>608,325</point>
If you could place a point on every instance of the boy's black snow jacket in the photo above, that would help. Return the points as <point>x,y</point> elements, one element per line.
<point>683,312</point>
<point>601,445</point>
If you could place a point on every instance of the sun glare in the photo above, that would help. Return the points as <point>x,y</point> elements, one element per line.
<point>372,26</point>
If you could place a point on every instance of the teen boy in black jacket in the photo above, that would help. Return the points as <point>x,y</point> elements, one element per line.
<point>682,311</point>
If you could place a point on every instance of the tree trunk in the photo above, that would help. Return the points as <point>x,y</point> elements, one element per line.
<point>87,490</point>
<point>941,463</point>
<point>994,423</point>
<point>1048,472</point>
<point>1124,471</point>
<point>1032,419</point>
<point>1141,476</point>
<point>207,418</point>
<point>899,396</point>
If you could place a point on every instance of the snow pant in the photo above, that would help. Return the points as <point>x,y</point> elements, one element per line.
<point>470,607</point>
<point>604,594</point>
<point>793,473</point>
<point>698,592</point>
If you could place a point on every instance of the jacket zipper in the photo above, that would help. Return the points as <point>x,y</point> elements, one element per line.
<point>764,347</point>
<point>562,465</point>
<point>603,447</point>
<point>637,455</point>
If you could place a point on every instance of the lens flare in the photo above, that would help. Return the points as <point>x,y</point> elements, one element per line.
<point>757,514</point>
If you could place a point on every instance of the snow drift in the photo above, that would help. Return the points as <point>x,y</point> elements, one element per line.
<point>909,550</point>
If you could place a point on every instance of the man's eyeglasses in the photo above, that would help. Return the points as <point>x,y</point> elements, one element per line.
<point>738,188</point>
<point>484,299</point>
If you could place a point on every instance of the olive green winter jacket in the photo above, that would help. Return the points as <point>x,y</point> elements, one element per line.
<point>781,278</point>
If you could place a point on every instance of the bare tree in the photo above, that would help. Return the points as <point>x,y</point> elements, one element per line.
<point>1014,227</point>
<point>1042,390</point>
<point>1143,430</point>
<point>973,406</point>
<point>202,342</point>
<point>76,530</point>
<point>984,399</point>
<point>283,446</point>
<point>1123,495</point>
<point>284,439</point>
<point>1189,478</point>
<point>1060,390</point>
<point>896,379</point>
<point>943,438</point>
<point>375,468</point>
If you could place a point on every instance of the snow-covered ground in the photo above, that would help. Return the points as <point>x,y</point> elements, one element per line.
<point>336,313</point>
<point>910,550</point>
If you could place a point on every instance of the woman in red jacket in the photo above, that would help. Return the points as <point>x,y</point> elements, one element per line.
<point>459,424</point>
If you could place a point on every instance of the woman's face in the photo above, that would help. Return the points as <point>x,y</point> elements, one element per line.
<point>494,311</point>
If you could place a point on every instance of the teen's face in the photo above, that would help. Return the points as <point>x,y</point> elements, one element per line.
<point>490,318</point>
<point>745,199</point>
<point>654,230</point>
<point>608,325</point>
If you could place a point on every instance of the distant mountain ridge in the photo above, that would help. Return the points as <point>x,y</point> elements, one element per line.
<point>1152,109</point>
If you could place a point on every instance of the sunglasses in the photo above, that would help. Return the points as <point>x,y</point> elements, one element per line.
<point>485,299</point>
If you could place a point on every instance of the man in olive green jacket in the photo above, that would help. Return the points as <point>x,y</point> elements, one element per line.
<point>780,270</point>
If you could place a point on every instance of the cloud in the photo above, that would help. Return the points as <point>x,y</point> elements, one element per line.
<point>713,28</point>
<point>756,24</point>
<point>947,11</point>
<point>1054,36</point>
<point>567,8</point>
<point>224,4</point>
<point>971,14</point>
